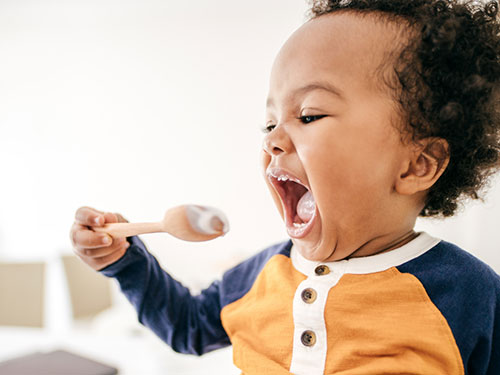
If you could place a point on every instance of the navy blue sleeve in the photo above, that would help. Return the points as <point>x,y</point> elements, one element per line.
<point>467,292</point>
<point>494,366</point>
<point>188,324</point>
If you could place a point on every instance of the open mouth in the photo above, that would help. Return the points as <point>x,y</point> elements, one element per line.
<point>297,200</point>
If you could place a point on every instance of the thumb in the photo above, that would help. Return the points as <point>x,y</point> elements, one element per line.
<point>113,218</point>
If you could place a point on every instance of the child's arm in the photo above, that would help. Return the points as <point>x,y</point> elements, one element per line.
<point>189,324</point>
<point>494,366</point>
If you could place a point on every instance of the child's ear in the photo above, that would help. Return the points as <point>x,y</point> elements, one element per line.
<point>428,160</point>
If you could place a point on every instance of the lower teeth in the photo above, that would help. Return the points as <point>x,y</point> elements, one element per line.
<point>297,225</point>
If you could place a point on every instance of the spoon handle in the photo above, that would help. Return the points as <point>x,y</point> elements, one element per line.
<point>117,230</point>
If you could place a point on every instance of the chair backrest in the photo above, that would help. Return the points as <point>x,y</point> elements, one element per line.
<point>90,292</point>
<point>22,294</point>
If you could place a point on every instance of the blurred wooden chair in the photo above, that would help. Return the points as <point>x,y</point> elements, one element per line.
<point>22,294</point>
<point>89,291</point>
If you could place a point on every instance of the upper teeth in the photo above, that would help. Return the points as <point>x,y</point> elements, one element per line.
<point>283,177</point>
<point>287,178</point>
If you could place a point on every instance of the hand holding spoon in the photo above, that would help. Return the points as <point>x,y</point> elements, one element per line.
<point>186,222</point>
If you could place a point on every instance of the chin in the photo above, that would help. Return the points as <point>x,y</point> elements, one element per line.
<point>314,247</point>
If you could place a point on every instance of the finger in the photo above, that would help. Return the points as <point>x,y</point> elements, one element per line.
<point>89,216</point>
<point>114,218</point>
<point>74,228</point>
<point>102,262</point>
<point>111,258</point>
<point>110,217</point>
<point>85,238</point>
<point>103,251</point>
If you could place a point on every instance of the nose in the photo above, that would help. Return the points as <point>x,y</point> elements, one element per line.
<point>277,141</point>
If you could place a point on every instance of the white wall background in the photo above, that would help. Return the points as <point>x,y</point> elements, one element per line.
<point>135,106</point>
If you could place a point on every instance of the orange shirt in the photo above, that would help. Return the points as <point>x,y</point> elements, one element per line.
<point>427,307</point>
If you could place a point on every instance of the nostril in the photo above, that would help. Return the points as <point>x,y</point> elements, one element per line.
<point>271,147</point>
<point>277,150</point>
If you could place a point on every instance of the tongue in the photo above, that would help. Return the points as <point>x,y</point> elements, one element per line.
<point>306,207</point>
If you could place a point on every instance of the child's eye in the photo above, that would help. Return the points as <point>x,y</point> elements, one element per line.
<point>304,119</point>
<point>309,119</point>
<point>268,128</point>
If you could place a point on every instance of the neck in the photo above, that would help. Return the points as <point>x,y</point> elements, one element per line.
<point>398,242</point>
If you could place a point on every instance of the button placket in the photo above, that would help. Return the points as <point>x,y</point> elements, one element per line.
<point>310,336</point>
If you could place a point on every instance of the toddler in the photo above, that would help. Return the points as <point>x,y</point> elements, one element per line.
<point>379,111</point>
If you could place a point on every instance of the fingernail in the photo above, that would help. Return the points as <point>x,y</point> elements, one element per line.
<point>216,224</point>
<point>106,240</point>
<point>207,220</point>
<point>97,220</point>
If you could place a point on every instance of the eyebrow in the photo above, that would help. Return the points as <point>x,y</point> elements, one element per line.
<point>311,87</point>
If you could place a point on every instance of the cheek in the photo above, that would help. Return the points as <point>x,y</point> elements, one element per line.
<point>350,173</point>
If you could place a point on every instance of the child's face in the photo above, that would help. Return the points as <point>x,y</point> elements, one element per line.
<point>350,158</point>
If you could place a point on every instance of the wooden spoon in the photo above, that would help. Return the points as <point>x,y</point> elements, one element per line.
<point>187,222</point>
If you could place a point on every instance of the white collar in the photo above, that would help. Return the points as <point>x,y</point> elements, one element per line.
<point>369,264</point>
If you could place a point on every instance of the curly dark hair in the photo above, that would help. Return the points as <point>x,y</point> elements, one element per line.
<point>445,80</point>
